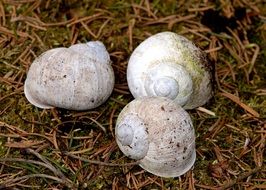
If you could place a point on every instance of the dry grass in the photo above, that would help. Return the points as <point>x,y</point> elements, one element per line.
<point>59,149</point>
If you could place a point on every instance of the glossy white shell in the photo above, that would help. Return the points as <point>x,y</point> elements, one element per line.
<point>78,78</point>
<point>169,65</point>
<point>159,133</point>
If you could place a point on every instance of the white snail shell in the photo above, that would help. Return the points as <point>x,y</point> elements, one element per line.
<point>78,78</point>
<point>169,65</point>
<point>159,133</point>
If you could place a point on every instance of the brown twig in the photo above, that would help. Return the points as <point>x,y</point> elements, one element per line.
<point>99,162</point>
<point>51,167</point>
<point>31,162</point>
<point>12,182</point>
<point>241,104</point>
<point>231,183</point>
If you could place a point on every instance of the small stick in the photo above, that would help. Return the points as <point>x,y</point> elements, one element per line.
<point>29,161</point>
<point>99,162</point>
<point>26,177</point>
<point>84,19</point>
<point>52,168</point>
<point>204,110</point>
<point>97,123</point>
<point>130,33</point>
<point>111,121</point>
<point>230,183</point>
<point>254,58</point>
<point>241,104</point>
<point>199,9</point>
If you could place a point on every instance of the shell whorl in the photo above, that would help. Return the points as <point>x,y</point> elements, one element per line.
<point>159,133</point>
<point>171,51</point>
<point>78,78</point>
<point>125,134</point>
<point>169,80</point>
<point>131,134</point>
<point>166,87</point>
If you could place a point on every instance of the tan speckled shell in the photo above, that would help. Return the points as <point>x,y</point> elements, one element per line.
<point>78,78</point>
<point>159,133</point>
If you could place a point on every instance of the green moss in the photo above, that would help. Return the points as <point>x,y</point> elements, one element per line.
<point>16,111</point>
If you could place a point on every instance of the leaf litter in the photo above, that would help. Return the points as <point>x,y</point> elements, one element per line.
<point>76,150</point>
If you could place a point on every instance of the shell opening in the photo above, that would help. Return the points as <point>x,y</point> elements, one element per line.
<point>125,134</point>
<point>33,100</point>
<point>166,87</point>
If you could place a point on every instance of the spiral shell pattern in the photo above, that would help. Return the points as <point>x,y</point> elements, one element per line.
<point>169,65</point>
<point>78,78</point>
<point>159,133</point>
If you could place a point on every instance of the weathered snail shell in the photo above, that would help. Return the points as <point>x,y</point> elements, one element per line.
<point>78,78</point>
<point>159,133</point>
<point>169,65</point>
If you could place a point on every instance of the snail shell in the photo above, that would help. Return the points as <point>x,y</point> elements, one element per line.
<point>169,65</point>
<point>78,78</point>
<point>159,133</point>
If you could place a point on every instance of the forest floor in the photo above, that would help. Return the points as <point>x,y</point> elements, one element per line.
<point>62,149</point>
